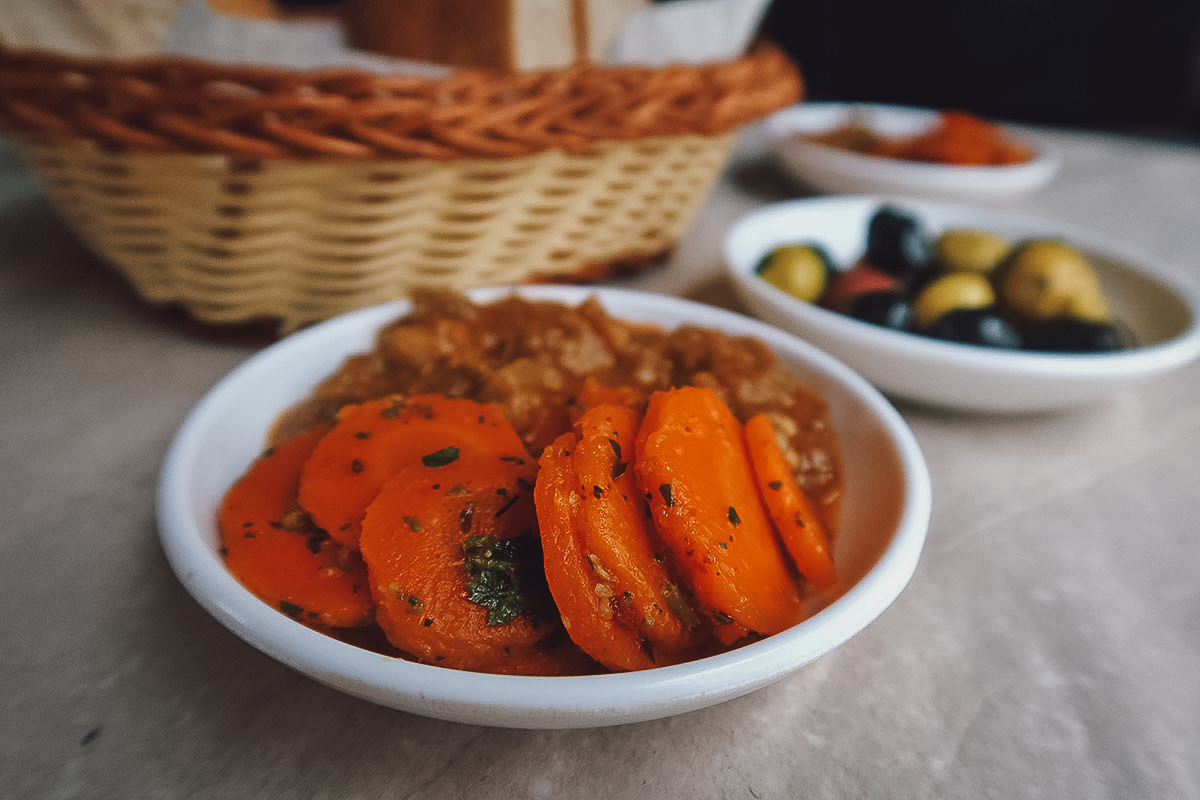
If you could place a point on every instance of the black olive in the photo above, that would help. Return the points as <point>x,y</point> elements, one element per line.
<point>1074,335</point>
<point>897,243</point>
<point>889,309</point>
<point>981,326</point>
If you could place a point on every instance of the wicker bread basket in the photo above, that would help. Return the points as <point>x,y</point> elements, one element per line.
<point>248,193</point>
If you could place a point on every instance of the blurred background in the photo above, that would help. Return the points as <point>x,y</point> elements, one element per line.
<point>1127,66</point>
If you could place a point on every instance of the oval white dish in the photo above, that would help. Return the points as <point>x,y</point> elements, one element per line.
<point>1159,308</point>
<point>885,516</point>
<point>831,170</point>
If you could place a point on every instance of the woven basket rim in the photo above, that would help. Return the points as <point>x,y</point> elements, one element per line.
<point>186,105</point>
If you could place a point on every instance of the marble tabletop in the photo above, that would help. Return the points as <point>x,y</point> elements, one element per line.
<point>1047,646</point>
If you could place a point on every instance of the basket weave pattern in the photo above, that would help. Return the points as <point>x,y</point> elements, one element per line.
<point>245,192</point>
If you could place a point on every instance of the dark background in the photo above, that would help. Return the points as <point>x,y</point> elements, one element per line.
<point>1114,65</point>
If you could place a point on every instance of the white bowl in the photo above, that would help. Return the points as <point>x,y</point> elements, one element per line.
<point>834,171</point>
<point>1159,308</point>
<point>884,521</point>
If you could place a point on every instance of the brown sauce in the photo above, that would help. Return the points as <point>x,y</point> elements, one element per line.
<point>533,357</point>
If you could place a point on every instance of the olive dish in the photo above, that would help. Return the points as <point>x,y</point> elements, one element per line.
<point>1157,311</point>
<point>883,522</point>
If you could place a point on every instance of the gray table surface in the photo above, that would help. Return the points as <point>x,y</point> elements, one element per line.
<point>1048,645</point>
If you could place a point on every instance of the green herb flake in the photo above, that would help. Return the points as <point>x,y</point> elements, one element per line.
<point>503,575</point>
<point>775,485</point>
<point>734,519</point>
<point>291,609</point>
<point>512,501</point>
<point>413,524</point>
<point>356,466</point>
<point>668,494</point>
<point>440,458</point>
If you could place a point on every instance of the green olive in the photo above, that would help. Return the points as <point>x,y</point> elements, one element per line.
<point>801,270</point>
<point>954,291</point>
<point>1046,278</point>
<point>969,250</point>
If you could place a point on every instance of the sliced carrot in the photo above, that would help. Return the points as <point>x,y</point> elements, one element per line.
<point>620,541</point>
<point>586,615</point>
<point>794,515</point>
<point>372,441</point>
<point>604,563</point>
<point>455,562</point>
<point>593,393</point>
<point>272,547</point>
<point>692,466</point>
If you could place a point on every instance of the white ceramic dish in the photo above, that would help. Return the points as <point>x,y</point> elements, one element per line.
<point>1161,310</point>
<point>834,171</point>
<point>884,522</point>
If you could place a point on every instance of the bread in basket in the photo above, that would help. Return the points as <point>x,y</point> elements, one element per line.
<point>245,193</point>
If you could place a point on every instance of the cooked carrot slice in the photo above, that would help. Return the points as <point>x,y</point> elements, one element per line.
<point>593,393</point>
<point>586,614</point>
<point>605,565</point>
<point>692,466</point>
<point>620,541</point>
<point>272,547</point>
<point>455,562</point>
<point>372,441</point>
<point>791,510</point>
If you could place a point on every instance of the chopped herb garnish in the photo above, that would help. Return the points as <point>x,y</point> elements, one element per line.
<point>668,494</point>
<point>363,435</point>
<point>356,466</point>
<point>465,517</point>
<point>597,491</point>
<point>503,575</point>
<point>413,524</point>
<point>291,609</point>
<point>440,458</point>
<point>776,485</point>
<point>512,501</point>
<point>734,519</point>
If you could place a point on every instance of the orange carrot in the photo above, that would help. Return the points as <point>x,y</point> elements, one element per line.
<point>593,393</point>
<point>455,563</point>
<point>790,508</point>
<point>586,615</point>
<point>691,464</point>
<point>274,550</point>
<point>372,441</point>
<point>623,604</point>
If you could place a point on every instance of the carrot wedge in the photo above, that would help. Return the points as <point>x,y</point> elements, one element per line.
<point>274,550</point>
<point>455,563</point>
<point>791,510</point>
<point>692,466</point>
<point>372,441</point>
